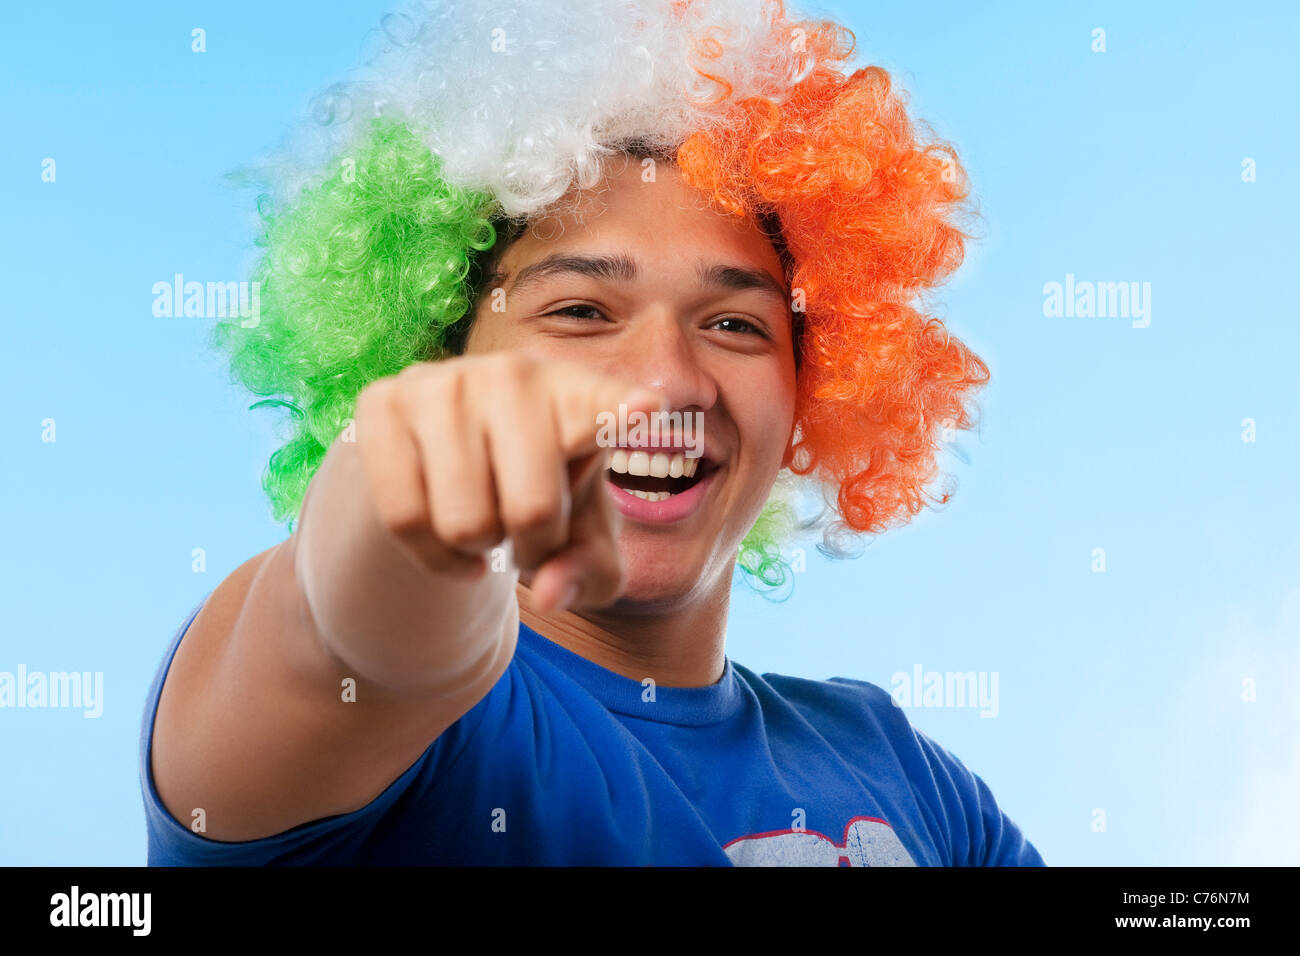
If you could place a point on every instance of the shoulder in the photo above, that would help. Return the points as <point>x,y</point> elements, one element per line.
<point>839,701</point>
<point>858,719</point>
<point>864,724</point>
<point>339,838</point>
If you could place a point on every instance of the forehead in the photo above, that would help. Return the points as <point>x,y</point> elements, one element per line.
<point>643,208</point>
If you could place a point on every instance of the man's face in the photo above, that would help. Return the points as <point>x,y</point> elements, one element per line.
<point>718,342</point>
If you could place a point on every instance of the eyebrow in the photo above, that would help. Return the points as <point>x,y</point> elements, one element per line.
<point>622,268</point>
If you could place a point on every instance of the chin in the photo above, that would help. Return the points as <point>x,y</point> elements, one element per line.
<point>657,575</point>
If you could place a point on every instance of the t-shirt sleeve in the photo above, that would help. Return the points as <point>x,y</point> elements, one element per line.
<point>173,843</point>
<point>991,837</point>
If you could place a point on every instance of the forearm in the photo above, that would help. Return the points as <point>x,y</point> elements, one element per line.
<point>375,607</point>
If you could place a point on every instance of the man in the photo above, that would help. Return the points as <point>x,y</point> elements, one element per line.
<point>496,635</point>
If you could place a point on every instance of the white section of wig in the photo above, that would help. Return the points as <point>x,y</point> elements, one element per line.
<point>523,99</point>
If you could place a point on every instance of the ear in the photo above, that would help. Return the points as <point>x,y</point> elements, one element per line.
<point>789,450</point>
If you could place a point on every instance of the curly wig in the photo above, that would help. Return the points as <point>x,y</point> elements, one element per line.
<point>471,117</point>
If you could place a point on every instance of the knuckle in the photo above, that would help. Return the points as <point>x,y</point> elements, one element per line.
<point>400,515</point>
<point>465,529</point>
<point>375,397</point>
<point>532,513</point>
<point>431,390</point>
<point>418,385</point>
<point>514,368</point>
<point>416,370</point>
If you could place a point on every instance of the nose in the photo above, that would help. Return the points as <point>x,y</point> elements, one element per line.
<point>660,351</point>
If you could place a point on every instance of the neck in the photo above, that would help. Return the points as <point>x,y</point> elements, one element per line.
<point>683,645</point>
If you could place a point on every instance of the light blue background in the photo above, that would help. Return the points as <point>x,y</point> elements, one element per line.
<point>1119,691</point>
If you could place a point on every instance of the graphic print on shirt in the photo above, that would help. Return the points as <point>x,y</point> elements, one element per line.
<point>868,841</point>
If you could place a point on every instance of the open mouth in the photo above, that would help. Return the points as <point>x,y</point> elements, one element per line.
<point>656,476</point>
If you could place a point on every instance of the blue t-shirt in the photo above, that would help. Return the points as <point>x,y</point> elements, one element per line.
<point>567,763</point>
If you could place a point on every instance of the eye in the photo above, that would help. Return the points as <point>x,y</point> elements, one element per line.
<point>571,309</point>
<point>742,325</point>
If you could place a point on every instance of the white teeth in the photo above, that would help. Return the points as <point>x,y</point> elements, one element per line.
<point>660,465</point>
<point>650,495</point>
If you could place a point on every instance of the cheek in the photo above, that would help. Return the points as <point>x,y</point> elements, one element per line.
<point>773,418</point>
<point>489,333</point>
<point>765,432</point>
<point>474,338</point>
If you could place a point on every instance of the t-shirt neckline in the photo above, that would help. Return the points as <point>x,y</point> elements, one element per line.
<point>682,706</point>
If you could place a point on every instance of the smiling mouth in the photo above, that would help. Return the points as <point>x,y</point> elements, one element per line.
<point>650,476</point>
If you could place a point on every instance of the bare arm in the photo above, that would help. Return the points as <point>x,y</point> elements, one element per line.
<point>385,582</point>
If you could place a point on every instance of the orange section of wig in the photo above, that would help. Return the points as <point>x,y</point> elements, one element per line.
<point>869,215</point>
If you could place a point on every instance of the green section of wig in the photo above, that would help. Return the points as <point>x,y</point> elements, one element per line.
<point>364,275</point>
<point>760,556</point>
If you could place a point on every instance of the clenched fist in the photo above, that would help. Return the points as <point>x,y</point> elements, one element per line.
<point>463,454</point>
